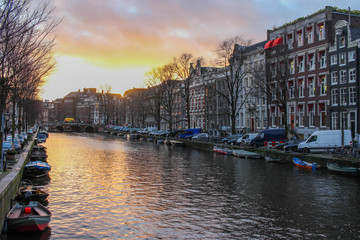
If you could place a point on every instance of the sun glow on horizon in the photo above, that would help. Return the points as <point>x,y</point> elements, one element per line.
<point>73,73</point>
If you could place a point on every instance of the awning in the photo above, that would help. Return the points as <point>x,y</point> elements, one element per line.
<point>268,44</point>
<point>273,43</point>
<point>277,41</point>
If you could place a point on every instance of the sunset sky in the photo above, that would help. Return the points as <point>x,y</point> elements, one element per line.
<point>114,42</point>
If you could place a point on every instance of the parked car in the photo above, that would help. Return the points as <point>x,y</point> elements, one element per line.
<point>15,142</point>
<point>174,133</point>
<point>201,137</point>
<point>245,139</point>
<point>325,140</point>
<point>231,139</point>
<point>294,146</point>
<point>6,146</point>
<point>292,142</point>
<point>189,132</point>
<point>268,135</point>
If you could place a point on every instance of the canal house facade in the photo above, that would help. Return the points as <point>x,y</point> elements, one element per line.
<point>344,75</point>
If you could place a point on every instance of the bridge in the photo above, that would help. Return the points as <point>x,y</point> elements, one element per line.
<point>73,127</point>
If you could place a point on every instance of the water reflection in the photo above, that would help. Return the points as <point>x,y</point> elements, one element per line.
<point>103,187</point>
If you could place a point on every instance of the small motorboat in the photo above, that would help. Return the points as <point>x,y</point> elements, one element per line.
<point>29,217</point>
<point>177,143</point>
<point>31,193</point>
<point>342,169</point>
<point>302,164</point>
<point>226,151</point>
<point>245,154</point>
<point>36,169</point>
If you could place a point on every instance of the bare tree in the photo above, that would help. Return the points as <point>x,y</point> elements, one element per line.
<point>185,71</point>
<point>25,47</point>
<point>231,55</point>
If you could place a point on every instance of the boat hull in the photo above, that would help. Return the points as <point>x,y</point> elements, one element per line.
<point>301,164</point>
<point>30,217</point>
<point>342,169</point>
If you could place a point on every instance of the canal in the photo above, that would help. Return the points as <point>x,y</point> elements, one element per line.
<point>106,187</point>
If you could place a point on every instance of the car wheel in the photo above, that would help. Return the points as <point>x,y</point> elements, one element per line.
<point>306,150</point>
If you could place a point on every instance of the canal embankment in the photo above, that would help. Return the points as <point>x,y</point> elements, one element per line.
<point>11,178</point>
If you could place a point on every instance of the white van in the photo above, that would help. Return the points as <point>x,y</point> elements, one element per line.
<point>245,140</point>
<point>323,140</point>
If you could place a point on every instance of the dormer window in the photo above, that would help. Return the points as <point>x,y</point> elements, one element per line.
<point>341,42</point>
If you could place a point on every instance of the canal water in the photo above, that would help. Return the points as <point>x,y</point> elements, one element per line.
<point>106,187</point>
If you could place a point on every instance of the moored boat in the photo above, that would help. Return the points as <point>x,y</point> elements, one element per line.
<point>36,169</point>
<point>176,143</point>
<point>302,164</point>
<point>245,154</point>
<point>274,160</point>
<point>226,151</point>
<point>28,217</point>
<point>31,193</point>
<point>342,169</point>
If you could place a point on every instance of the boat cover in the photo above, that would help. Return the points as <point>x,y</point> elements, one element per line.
<point>39,165</point>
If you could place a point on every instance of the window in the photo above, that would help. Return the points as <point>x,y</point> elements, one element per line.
<point>342,57</point>
<point>333,60</point>
<point>311,61</point>
<point>300,38</point>
<point>301,115</point>
<point>273,116</point>
<point>311,115</point>
<point>301,64</point>
<point>311,85</point>
<point>342,76</point>
<point>301,86</point>
<point>352,75</point>
<point>352,95</point>
<point>351,56</point>
<point>334,77</point>
<point>334,120</point>
<point>310,35</point>
<point>291,89</point>
<point>290,41</point>
<point>343,95</point>
<point>322,59</point>
<point>334,96</point>
<point>321,29</point>
<point>292,66</point>
<point>322,82</point>
<point>313,138</point>
<point>344,120</point>
<point>322,110</point>
<point>341,42</point>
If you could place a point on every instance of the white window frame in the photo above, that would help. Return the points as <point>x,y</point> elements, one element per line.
<point>301,92</point>
<point>292,66</point>
<point>323,85</point>
<point>333,59</point>
<point>321,111</point>
<point>291,84</point>
<point>334,96</point>
<point>334,120</point>
<point>342,42</point>
<point>334,78</point>
<point>351,56</point>
<point>342,76</point>
<point>300,38</point>
<point>311,115</point>
<point>301,115</point>
<point>290,41</point>
<point>310,35</point>
<point>343,96</point>
<point>322,59</point>
<point>342,59</point>
<point>321,30</point>
<point>352,95</point>
<point>311,61</point>
<point>301,64</point>
<point>311,86</point>
<point>352,75</point>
